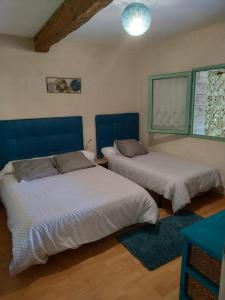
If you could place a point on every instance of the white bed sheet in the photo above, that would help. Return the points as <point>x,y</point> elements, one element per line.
<point>178,180</point>
<point>52,214</point>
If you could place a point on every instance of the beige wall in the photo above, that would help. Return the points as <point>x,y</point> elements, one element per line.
<point>108,81</point>
<point>198,48</point>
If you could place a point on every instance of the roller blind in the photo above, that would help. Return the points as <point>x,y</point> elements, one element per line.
<point>169,103</point>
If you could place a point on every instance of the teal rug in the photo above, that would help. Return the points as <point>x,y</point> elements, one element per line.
<point>156,245</point>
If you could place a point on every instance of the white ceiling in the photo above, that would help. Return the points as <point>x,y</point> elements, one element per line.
<point>169,18</point>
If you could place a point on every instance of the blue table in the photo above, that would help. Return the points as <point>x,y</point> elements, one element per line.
<point>209,236</point>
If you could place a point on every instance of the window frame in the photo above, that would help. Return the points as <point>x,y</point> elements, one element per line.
<point>151,79</point>
<point>194,71</point>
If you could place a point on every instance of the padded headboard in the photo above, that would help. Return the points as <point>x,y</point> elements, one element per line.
<point>29,138</point>
<point>115,127</point>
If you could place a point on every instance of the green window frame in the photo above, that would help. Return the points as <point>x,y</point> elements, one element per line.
<point>151,80</point>
<point>194,73</point>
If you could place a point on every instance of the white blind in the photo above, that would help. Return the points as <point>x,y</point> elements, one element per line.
<point>169,103</point>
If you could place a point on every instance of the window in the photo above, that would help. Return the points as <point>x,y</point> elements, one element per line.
<point>209,102</point>
<point>189,103</point>
<point>169,103</point>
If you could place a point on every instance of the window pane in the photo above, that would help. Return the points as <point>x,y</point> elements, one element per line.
<point>169,103</point>
<point>209,108</point>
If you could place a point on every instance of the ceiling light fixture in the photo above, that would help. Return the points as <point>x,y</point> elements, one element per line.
<point>136,18</point>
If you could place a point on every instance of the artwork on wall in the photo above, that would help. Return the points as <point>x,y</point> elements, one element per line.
<point>63,85</point>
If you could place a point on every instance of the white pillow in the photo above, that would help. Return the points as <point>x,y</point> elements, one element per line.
<point>89,155</point>
<point>8,169</point>
<point>108,151</point>
<point>116,148</point>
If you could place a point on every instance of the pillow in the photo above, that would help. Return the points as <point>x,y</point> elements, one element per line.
<point>30,169</point>
<point>71,161</point>
<point>89,155</point>
<point>8,169</point>
<point>115,148</point>
<point>131,148</point>
<point>108,151</point>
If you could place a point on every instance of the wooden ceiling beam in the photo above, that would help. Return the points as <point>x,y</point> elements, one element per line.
<point>71,15</point>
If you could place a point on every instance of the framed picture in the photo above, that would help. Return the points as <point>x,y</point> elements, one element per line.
<point>63,85</point>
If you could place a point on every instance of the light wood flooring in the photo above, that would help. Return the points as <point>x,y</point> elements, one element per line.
<point>104,270</point>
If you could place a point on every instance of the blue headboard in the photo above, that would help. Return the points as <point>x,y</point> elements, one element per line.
<point>115,127</point>
<point>29,138</point>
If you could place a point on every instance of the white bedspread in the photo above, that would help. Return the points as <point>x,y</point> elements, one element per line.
<point>176,179</point>
<point>52,214</point>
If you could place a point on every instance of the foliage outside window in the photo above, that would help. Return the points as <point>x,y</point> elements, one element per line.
<point>209,103</point>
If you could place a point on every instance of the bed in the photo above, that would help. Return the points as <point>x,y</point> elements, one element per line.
<point>176,179</point>
<point>55,213</point>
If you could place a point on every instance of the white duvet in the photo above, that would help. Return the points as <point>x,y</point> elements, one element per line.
<point>176,179</point>
<point>52,214</point>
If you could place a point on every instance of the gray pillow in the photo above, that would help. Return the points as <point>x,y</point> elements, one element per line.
<point>72,161</point>
<point>130,148</point>
<point>31,169</point>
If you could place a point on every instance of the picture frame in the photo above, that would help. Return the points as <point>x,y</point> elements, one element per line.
<point>63,85</point>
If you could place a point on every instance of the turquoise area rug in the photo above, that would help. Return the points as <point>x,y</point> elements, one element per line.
<point>155,245</point>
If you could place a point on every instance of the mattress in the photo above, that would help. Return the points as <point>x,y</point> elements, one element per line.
<point>52,214</point>
<point>178,180</point>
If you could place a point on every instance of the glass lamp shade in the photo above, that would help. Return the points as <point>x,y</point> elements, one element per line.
<point>136,19</point>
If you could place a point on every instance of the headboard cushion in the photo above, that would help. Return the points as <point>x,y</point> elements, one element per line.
<point>115,127</point>
<point>28,138</point>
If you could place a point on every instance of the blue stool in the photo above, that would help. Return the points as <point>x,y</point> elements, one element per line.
<point>206,237</point>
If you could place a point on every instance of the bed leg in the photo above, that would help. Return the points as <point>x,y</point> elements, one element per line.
<point>159,201</point>
<point>158,198</point>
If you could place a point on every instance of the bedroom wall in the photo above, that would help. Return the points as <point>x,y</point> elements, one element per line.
<point>114,80</point>
<point>108,81</point>
<point>198,48</point>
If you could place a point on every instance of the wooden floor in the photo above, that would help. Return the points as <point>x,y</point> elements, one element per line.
<point>104,270</point>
